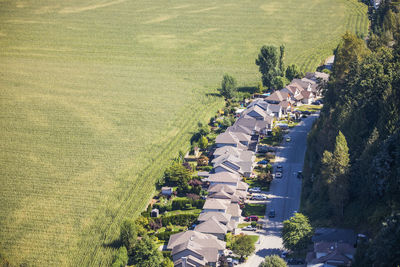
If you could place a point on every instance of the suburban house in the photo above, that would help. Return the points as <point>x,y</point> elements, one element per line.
<point>332,247</point>
<point>233,198</point>
<point>215,205</point>
<point>234,139</point>
<point>277,97</point>
<point>240,190</point>
<point>257,127</point>
<point>237,162</point>
<point>194,249</point>
<point>256,112</point>
<point>224,178</point>
<point>223,218</point>
<point>213,227</point>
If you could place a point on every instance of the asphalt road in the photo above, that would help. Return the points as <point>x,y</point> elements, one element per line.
<point>284,192</point>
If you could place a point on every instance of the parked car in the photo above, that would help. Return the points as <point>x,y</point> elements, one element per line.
<point>249,228</point>
<point>255,190</point>
<point>252,218</point>
<point>306,112</point>
<point>300,174</point>
<point>259,197</point>
<point>278,175</point>
<point>272,213</point>
<point>288,139</point>
<point>279,167</point>
<point>284,254</point>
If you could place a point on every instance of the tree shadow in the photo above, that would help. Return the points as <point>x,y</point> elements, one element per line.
<point>247,89</point>
<point>213,94</point>
<point>113,244</point>
<point>268,252</point>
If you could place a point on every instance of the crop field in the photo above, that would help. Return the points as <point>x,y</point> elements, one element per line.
<point>97,96</point>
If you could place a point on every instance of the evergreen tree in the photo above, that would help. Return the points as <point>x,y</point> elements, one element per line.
<point>281,60</point>
<point>267,61</point>
<point>228,86</point>
<point>146,254</point>
<point>128,233</point>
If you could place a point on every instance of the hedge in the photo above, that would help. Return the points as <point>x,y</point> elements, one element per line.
<point>165,235</point>
<point>180,204</point>
<point>179,219</point>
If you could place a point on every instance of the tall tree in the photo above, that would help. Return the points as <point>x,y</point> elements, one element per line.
<point>146,254</point>
<point>296,232</point>
<point>128,233</point>
<point>228,86</point>
<point>267,61</point>
<point>273,261</point>
<point>243,245</point>
<point>292,72</point>
<point>281,60</point>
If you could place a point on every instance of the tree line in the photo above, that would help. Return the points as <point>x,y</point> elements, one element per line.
<point>352,164</point>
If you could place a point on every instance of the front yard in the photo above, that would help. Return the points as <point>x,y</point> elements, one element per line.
<point>254,209</point>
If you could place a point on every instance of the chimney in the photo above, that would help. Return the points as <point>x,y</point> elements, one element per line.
<point>184,262</point>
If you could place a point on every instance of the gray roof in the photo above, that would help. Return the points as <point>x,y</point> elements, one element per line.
<point>214,203</point>
<point>255,111</point>
<point>274,108</point>
<point>220,216</point>
<point>191,261</point>
<point>240,129</point>
<point>242,186</point>
<point>230,189</point>
<point>276,96</point>
<point>328,247</point>
<point>226,138</point>
<point>224,177</point>
<point>335,235</point>
<point>211,226</point>
<point>199,238</point>
<point>234,210</point>
<point>227,150</point>
<point>258,102</point>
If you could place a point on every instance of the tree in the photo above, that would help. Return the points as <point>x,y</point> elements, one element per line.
<point>146,254</point>
<point>273,261</point>
<point>292,72</point>
<point>120,258</point>
<point>278,82</point>
<point>228,86</point>
<point>243,245</point>
<point>351,50</point>
<point>177,173</point>
<point>203,143</point>
<point>128,233</point>
<point>260,88</point>
<point>167,263</point>
<point>281,59</point>
<point>296,232</point>
<point>267,61</point>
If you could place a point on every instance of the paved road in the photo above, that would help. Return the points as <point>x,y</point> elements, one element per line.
<point>284,192</point>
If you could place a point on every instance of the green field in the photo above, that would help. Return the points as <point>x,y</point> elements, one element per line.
<point>98,95</point>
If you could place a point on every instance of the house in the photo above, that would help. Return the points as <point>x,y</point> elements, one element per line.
<point>242,165</point>
<point>256,112</point>
<point>234,210</point>
<point>256,126</point>
<point>215,188</point>
<point>223,218</point>
<point>194,249</point>
<point>308,97</point>
<point>213,227</point>
<point>224,178</point>
<point>259,102</point>
<point>235,139</point>
<point>166,191</point>
<point>215,205</point>
<point>317,76</point>
<point>275,109</point>
<point>332,247</point>
<point>277,97</point>
<point>233,198</point>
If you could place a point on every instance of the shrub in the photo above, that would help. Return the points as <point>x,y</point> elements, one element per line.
<point>165,235</point>
<point>179,219</point>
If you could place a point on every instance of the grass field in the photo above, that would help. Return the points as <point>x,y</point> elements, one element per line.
<point>98,95</point>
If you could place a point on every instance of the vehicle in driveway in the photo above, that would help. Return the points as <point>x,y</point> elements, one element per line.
<point>262,162</point>
<point>278,175</point>
<point>272,213</point>
<point>300,174</point>
<point>255,190</point>
<point>252,218</point>
<point>259,197</point>
<point>295,261</point>
<point>249,228</point>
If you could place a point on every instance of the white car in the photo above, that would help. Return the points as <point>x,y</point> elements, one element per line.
<point>249,228</point>
<point>288,139</point>
<point>255,190</point>
<point>278,175</point>
<point>259,197</point>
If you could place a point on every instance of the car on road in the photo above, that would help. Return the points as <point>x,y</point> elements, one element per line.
<point>259,197</point>
<point>252,218</point>
<point>284,254</point>
<point>279,167</point>
<point>255,190</point>
<point>249,228</point>
<point>272,213</point>
<point>278,175</point>
<point>300,174</point>
<point>288,139</point>
<point>316,103</point>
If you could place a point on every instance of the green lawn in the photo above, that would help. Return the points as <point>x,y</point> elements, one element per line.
<point>98,95</point>
<point>254,209</point>
<point>311,108</point>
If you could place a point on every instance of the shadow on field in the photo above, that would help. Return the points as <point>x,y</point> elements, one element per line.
<point>114,244</point>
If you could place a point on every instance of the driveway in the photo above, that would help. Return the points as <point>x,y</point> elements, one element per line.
<point>284,195</point>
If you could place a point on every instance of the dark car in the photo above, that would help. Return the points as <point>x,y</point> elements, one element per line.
<point>271,213</point>
<point>295,261</point>
<point>316,103</point>
<point>252,218</point>
<point>300,174</point>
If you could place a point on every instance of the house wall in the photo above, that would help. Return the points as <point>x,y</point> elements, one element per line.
<point>186,253</point>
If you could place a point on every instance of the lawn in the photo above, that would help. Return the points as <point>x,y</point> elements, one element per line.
<point>98,95</point>
<point>311,108</point>
<point>254,209</point>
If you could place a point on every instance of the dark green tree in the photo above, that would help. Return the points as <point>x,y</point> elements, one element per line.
<point>128,233</point>
<point>296,232</point>
<point>146,254</point>
<point>167,263</point>
<point>228,86</point>
<point>203,142</point>
<point>243,245</point>
<point>279,82</point>
<point>267,62</point>
<point>273,261</point>
<point>120,258</point>
<point>292,72</point>
<point>177,173</point>
<point>281,60</point>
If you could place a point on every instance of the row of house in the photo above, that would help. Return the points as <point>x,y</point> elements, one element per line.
<point>233,159</point>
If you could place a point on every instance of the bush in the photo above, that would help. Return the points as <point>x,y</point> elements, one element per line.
<point>180,204</point>
<point>165,235</point>
<point>204,168</point>
<point>179,219</point>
